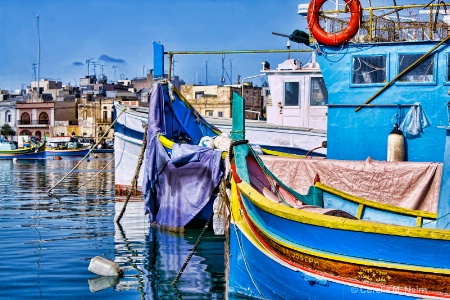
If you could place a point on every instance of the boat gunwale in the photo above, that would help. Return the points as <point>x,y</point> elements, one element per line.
<point>334,222</point>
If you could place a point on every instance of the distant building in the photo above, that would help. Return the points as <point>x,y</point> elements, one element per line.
<point>215,100</point>
<point>95,118</point>
<point>48,89</point>
<point>35,118</point>
<point>144,82</point>
<point>8,115</point>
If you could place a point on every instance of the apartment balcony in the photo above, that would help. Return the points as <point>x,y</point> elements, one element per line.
<point>33,123</point>
<point>104,121</point>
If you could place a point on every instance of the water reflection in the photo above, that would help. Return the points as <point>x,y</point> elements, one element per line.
<point>152,266</point>
<point>49,240</point>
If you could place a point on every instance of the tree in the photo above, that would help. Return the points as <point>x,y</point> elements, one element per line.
<point>6,130</point>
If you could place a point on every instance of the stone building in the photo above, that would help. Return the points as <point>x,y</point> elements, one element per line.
<point>216,101</point>
<point>95,118</point>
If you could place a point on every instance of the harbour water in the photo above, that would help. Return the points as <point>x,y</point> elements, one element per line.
<point>49,240</point>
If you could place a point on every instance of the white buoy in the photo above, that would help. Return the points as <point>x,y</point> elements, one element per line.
<point>14,159</point>
<point>396,145</point>
<point>104,267</point>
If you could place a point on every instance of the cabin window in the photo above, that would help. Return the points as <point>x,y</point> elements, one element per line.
<point>369,69</point>
<point>448,67</point>
<point>291,94</point>
<point>318,93</point>
<point>423,72</point>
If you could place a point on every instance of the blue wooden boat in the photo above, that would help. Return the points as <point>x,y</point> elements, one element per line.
<point>8,150</point>
<point>103,150</point>
<point>67,152</point>
<point>330,242</point>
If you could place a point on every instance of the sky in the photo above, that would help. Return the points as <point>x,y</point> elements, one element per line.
<point>118,36</point>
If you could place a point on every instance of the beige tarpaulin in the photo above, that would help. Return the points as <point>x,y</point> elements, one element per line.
<point>410,185</point>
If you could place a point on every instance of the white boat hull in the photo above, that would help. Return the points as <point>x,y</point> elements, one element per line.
<point>127,147</point>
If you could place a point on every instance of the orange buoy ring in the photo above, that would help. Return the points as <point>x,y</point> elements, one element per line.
<point>334,39</point>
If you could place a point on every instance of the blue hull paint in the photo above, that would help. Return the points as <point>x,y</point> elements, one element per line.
<point>32,155</point>
<point>276,281</point>
<point>81,152</point>
<point>381,247</point>
<point>104,150</point>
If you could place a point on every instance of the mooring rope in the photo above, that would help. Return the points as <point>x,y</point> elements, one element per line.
<point>76,166</point>
<point>174,282</point>
<point>136,174</point>
<point>93,177</point>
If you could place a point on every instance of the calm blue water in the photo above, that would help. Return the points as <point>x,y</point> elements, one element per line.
<point>47,242</point>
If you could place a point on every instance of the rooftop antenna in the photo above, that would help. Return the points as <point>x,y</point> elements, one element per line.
<point>288,46</point>
<point>95,70</point>
<point>173,67</point>
<point>88,61</point>
<point>206,68</point>
<point>143,71</point>
<point>231,72</point>
<point>101,69</point>
<point>39,56</point>
<point>34,71</point>
<point>115,67</point>
<point>222,80</point>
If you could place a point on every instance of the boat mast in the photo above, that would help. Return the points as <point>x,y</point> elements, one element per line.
<point>39,57</point>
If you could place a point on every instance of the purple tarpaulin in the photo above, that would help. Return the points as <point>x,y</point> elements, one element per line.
<point>176,189</point>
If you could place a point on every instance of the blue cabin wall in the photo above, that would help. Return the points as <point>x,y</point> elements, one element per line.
<point>358,135</point>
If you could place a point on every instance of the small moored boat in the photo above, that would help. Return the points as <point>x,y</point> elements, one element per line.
<point>8,150</point>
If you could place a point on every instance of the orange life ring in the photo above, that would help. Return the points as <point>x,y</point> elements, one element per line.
<point>341,37</point>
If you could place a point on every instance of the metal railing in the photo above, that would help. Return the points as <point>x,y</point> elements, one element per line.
<point>33,122</point>
<point>394,23</point>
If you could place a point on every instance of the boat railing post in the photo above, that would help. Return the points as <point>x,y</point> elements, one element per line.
<point>443,218</point>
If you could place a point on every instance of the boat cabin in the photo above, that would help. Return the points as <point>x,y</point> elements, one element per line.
<point>370,95</point>
<point>299,96</point>
<point>66,142</point>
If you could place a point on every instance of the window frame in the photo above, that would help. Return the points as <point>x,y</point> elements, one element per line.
<point>435,74</point>
<point>310,91</point>
<point>298,93</point>
<point>370,84</point>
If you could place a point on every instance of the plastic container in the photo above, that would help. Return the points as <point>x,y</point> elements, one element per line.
<point>207,141</point>
<point>102,282</point>
<point>104,267</point>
